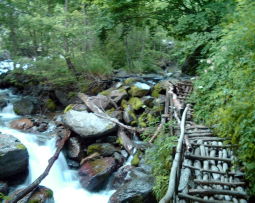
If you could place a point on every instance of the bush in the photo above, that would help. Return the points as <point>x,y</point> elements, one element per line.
<point>225,92</point>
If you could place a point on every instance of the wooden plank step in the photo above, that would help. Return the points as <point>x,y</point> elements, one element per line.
<point>198,199</point>
<point>217,192</point>
<point>210,182</point>
<point>207,158</point>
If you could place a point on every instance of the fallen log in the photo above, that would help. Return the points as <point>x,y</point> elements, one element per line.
<point>127,143</point>
<point>36,183</point>
<point>176,161</point>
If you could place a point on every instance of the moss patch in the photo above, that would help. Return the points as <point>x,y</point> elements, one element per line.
<point>50,105</point>
<point>21,146</point>
<point>68,108</point>
<point>135,103</point>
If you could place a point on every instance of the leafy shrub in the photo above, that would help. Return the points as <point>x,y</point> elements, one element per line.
<point>225,92</point>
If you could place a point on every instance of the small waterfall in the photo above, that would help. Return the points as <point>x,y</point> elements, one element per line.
<point>63,181</point>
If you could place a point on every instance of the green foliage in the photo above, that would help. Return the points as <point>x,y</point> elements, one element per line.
<point>3,197</point>
<point>160,158</point>
<point>224,93</point>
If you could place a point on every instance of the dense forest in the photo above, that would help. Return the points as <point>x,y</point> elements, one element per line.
<point>74,45</point>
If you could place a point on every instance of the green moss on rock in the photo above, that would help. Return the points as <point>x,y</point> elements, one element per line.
<point>21,146</point>
<point>50,105</point>
<point>135,103</point>
<point>68,108</point>
<point>136,160</point>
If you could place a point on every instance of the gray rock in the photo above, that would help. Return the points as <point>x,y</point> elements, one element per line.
<point>74,150</point>
<point>93,174</point>
<point>13,156</point>
<point>62,97</point>
<point>42,195</point>
<point>87,124</point>
<point>24,106</point>
<point>103,102</point>
<point>138,188</point>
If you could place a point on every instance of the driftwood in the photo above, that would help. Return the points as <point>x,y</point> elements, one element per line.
<point>100,113</point>
<point>36,183</point>
<point>163,118</point>
<point>126,141</point>
<point>176,161</point>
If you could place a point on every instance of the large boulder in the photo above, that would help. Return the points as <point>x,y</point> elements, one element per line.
<point>87,124</point>
<point>136,187</point>
<point>22,124</point>
<point>24,106</point>
<point>93,174</point>
<point>13,156</point>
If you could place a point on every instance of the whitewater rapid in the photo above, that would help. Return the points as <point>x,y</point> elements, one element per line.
<point>63,181</point>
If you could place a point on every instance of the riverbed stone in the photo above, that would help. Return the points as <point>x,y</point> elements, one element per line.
<point>13,156</point>
<point>87,124</point>
<point>93,174</point>
<point>24,106</point>
<point>22,124</point>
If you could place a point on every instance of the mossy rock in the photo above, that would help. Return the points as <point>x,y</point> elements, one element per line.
<point>50,105</point>
<point>104,149</point>
<point>139,89</point>
<point>136,103</point>
<point>106,92</point>
<point>159,88</point>
<point>41,194</point>
<point>130,81</point>
<point>21,146</point>
<point>129,115</point>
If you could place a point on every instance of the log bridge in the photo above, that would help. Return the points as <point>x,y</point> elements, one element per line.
<point>203,169</point>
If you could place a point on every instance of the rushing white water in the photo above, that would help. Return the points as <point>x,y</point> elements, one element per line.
<point>63,181</point>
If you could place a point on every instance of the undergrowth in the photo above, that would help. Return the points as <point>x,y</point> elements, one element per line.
<point>160,157</point>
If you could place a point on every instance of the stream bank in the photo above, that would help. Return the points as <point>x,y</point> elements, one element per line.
<point>94,152</point>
